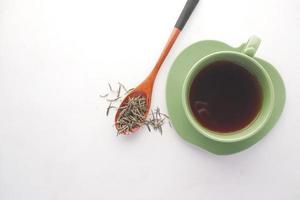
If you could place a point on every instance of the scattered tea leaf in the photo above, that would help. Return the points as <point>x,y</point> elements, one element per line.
<point>133,114</point>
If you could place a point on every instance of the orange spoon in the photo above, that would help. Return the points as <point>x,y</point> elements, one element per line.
<point>146,87</point>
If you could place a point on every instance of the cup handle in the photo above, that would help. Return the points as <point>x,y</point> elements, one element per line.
<point>251,46</point>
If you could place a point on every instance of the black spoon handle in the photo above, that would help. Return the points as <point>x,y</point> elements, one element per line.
<point>186,13</point>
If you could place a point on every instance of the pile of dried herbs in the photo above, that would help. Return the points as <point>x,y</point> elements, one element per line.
<point>133,113</point>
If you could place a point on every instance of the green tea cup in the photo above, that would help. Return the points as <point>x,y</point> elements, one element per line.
<point>244,59</point>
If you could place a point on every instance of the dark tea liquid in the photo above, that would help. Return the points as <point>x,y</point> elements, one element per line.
<point>225,97</point>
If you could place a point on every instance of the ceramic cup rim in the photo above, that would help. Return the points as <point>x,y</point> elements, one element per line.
<point>242,134</point>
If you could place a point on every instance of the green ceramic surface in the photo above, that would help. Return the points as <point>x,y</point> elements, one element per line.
<point>175,84</point>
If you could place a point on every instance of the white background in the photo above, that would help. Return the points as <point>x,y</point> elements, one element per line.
<point>56,57</point>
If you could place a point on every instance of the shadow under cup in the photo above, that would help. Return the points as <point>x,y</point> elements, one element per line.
<point>254,68</point>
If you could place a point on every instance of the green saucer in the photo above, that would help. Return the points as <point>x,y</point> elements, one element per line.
<point>177,74</point>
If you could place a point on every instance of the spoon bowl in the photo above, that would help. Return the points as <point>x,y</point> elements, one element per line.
<point>133,93</point>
